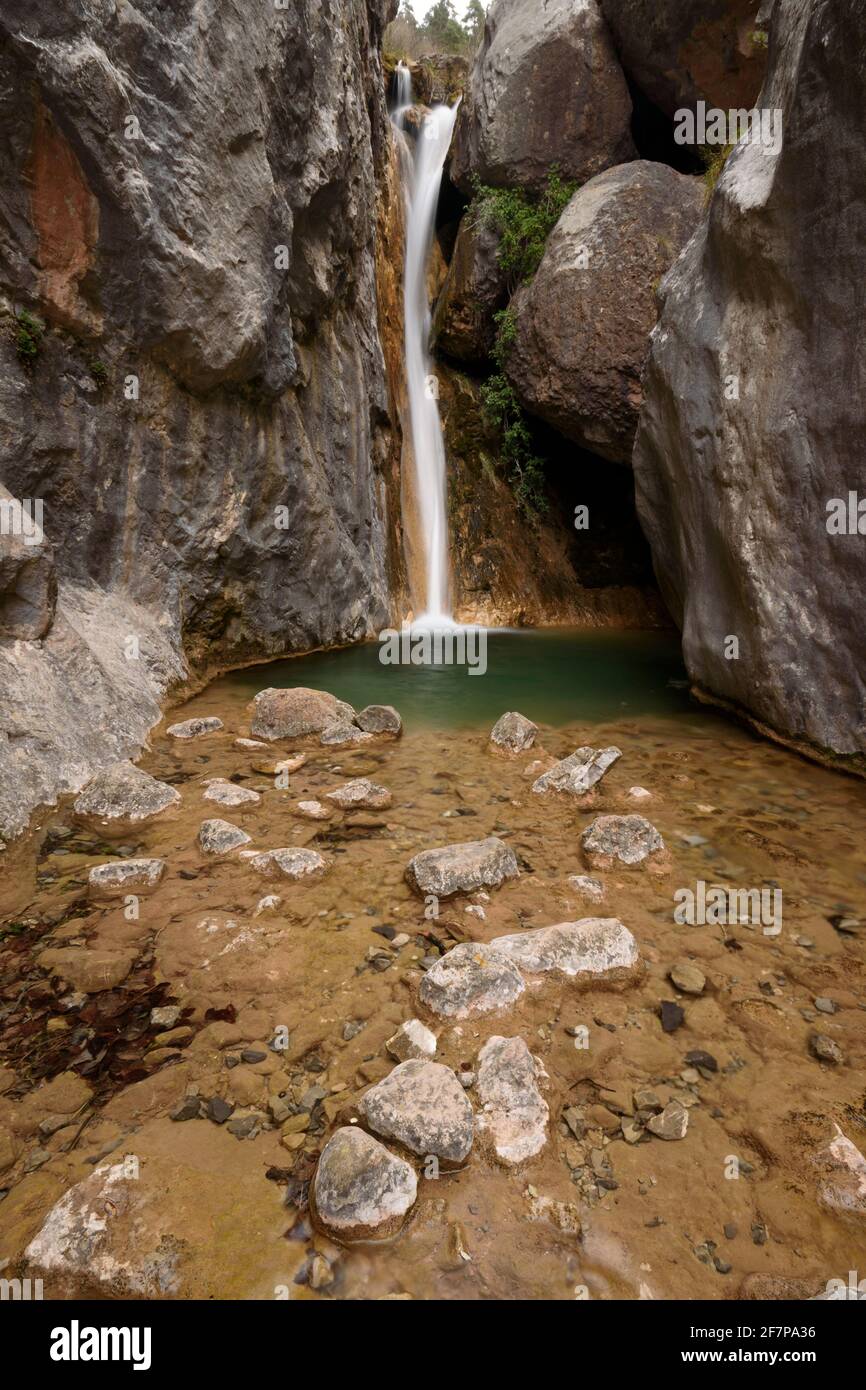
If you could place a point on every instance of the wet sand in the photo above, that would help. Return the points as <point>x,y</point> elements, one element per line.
<point>732,810</point>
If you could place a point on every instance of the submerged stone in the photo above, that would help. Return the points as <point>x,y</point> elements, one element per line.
<point>220,837</point>
<point>285,863</point>
<point>514,1113</point>
<point>194,728</point>
<point>578,773</point>
<point>123,797</point>
<point>620,839</point>
<point>600,947</point>
<point>128,876</point>
<point>513,732</point>
<point>380,719</point>
<point>361,793</point>
<point>227,793</point>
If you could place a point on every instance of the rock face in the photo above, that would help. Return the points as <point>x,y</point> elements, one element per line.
<point>361,1189</point>
<point>471,979</point>
<point>28,580</point>
<point>201,253</point>
<point>583,324</point>
<point>578,773</point>
<point>546,89</point>
<point>621,840</point>
<point>462,868</point>
<point>595,947</point>
<point>682,51</point>
<point>514,1113</point>
<point>296,713</point>
<point>754,476</point>
<point>423,1106</point>
<point>474,289</point>
<point>122,797</point>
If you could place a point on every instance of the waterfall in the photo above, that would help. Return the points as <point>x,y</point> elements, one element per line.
<point>422,181</point>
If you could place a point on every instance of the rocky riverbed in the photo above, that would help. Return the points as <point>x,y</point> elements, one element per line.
<point>315,1005</point>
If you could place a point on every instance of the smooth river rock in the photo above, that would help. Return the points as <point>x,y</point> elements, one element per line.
<point>546,89</point>
<point>599,948</point>
<point>613,840</point>
<point>380,719</point>
<point>123,797</point>
<point>360,1189</point>
<point>462,868</point>
<point>422,1105</point>
<point>513,1114</point>
<point>471,979</point>
<point>578,773</point>
<point>584,322</point>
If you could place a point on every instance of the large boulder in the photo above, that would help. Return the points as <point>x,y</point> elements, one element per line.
<point>475,287</point>
<point>753,408</point>
<point>583,324</point>
<point>360,1189</point>
<point>682,51</point>
<point>423,1106</point>
<point>546,89</point>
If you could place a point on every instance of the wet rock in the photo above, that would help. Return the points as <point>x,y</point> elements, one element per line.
<point>546,89</point>
<point>620,840</point>
<point>380,719</point>
<point>88,970</point>
<point>251,745</point>
<point>194,728</point>
<point>513,732</point>
<point>360,1189</point>
<point>286,863</point>
<point>129,876</point>
<point>843,1176</point>
<point>825,1005</point>
<point>638,794</point>
<point>471,979</point>
<point>672,1123</point>
<point>462,868</point>
<point>218,1110</point>
<point>475,289</point>
<point>592,889</point>
<point>672,1015</point>
<point>597,948</point>
<point>220,837</point>
<point>336,735</point>
<point>123,797</point>
<point>584,321</point>
<point>63,1098</point>
<point>687,977</point>
<point>226,793</point>
<point>578,773</point>
<point>422,1105</point>
<point>296,713</point>
<point>704,1061</point>
<point>825,1049</point>
<point>166,1016</point>
<point>513,1113</point>
<point>272,767</point>
<point>361,793</point>
<point>412,1039</point>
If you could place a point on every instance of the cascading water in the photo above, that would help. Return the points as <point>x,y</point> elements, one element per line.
<point>422,182</point>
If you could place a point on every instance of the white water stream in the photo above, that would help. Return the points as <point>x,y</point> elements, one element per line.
<point>422,180</point>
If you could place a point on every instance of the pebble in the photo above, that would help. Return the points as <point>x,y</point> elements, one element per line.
<point>189,1109</point>
<point>218,1110</point>
<point>672,1123</point>
<point>825,1049</point>
<point>194,728</point>
<point>825,1005</point>
<point>672,1015</point>
<point>687,977</point>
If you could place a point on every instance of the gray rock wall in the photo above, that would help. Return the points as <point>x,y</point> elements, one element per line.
<point>155,159</point>
<point>769,301</point>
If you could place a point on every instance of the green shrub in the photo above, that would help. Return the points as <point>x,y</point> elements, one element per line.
<point>714,157</point>
<point>523,220</point>
<point>99,371</point>
<point>524,468</point>
<point>760,38</point>
<point>29,333</point>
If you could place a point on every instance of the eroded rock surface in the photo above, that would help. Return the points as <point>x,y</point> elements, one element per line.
<point>462,868</point>
<point>422,1105</point>
<point>578,773</point>
<point>122,797</point>
<point>471,979</point>
<point>626,840</point>
<point>360,1188</point>
<point>595,947</point>
<point>514,1114</point>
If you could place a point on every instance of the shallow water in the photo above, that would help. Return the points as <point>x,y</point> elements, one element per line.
<point>732,810</point>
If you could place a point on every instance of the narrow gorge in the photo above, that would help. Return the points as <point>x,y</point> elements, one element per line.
<point>432,682</point>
